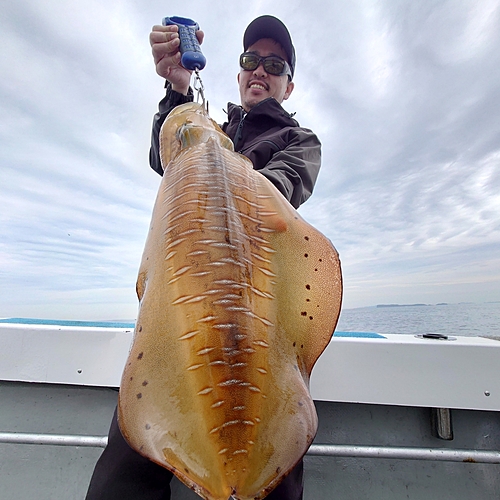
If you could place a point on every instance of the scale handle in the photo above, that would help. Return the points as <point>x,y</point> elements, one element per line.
<point>192,58</point>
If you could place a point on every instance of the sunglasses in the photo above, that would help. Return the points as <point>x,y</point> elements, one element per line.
<point>273,65</point>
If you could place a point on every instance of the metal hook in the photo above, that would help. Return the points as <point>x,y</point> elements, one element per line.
<point>200,90</point>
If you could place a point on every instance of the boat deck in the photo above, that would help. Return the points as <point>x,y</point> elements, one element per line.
<point>48,472</point>
<point>368,407</point>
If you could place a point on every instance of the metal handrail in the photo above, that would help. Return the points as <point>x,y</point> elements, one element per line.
<point>324,450</point>
<point>406,453</point>
<point>53,439</point>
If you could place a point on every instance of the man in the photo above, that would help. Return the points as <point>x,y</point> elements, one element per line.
<point>289,156</point>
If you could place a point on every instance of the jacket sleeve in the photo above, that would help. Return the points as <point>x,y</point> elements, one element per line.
<point>167,104</point>
<point>294,169</point>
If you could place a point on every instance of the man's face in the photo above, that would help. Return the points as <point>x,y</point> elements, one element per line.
<point>257,85</point>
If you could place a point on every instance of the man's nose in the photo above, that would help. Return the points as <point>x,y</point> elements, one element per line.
<point>260,70</point>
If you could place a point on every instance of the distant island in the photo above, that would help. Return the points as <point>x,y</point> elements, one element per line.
<point>410,305</point>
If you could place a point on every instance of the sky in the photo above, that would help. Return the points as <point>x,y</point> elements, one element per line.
<point>404,96</point>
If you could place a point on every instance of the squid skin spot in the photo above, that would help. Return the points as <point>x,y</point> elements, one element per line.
<point>321,260</point>
<point>131,378</point>
<point>301,403</point>
<point>308,300</point>
<point>139,396</point>
<point>302,346</point>
<point>306,238</point>
<point>294,344</point>
<point>141,354</point>
<point>147,427</point>
<point>187,470</point>
<point>316,269</point>
<point>306,255</point>
<point>304,313</point>
<point>308,287</point>
<point>280,226</point>
<point>310,317</point>
<point>140,328</point>
<point>145,383</point>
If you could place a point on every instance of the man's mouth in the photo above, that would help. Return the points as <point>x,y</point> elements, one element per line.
<point>257,85</point>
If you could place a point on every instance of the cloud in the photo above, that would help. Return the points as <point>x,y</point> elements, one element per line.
<point>404,97</point>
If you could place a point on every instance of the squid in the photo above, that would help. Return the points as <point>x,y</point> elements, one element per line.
<point>238,298</point>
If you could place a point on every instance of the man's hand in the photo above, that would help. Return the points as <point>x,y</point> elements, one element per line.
<point>165,43</point>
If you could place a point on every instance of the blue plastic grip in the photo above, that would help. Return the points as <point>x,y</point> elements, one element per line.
<point>192,58</point>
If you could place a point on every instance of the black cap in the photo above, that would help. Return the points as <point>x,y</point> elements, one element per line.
<point>270,27</point>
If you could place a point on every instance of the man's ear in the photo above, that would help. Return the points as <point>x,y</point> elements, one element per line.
<point>289,90</point>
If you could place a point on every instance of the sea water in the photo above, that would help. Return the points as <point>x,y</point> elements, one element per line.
<point>69,322</point>
<point>464,319</point>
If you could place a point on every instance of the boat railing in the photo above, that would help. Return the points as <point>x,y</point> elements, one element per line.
<point>323,450</point>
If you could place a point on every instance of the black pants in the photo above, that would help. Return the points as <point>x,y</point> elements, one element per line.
<point>122,474</point>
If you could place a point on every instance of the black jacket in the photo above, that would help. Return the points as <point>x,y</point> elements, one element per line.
<point>287,154</point>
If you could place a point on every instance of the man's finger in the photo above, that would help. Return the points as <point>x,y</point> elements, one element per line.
<point>160,50</point>
<point>170,27</point>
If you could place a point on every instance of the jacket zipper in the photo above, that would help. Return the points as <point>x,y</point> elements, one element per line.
<point>239,131</point>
